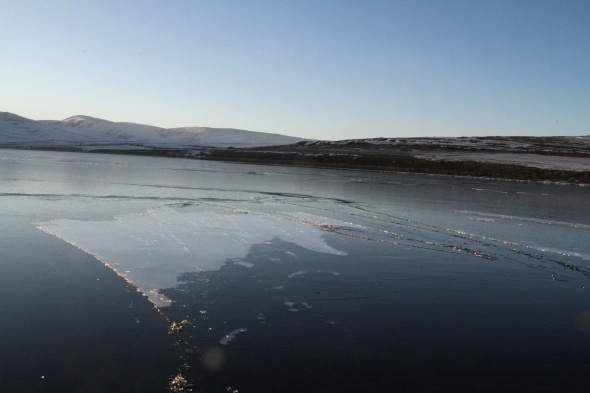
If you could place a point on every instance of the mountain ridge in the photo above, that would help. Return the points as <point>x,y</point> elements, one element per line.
<point>87,131</point>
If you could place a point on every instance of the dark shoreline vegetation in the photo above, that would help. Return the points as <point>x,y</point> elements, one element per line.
<point>403,163</point>
<point>358,156</point>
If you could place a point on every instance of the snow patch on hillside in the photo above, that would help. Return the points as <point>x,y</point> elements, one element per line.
<point>92,132</point>
<point>580,164</point>
<point>552,144</point>
<point>226,137</point>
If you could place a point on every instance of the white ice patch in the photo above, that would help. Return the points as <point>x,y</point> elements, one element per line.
<point>296,273</point>
<point>152,249</point>
<point>291,306</point>
<point>306,271</point>
<point>231,335</point>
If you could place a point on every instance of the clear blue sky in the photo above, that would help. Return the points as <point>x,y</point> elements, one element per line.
<point>317,69</point>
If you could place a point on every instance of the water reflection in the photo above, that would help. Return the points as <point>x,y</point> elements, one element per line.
<point>384,324</point>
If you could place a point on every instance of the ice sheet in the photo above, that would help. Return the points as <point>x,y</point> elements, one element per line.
<point>152,249</point>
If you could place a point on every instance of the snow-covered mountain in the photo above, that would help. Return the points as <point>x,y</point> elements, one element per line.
<point>89,132</point>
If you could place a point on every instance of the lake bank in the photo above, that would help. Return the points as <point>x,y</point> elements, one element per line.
<point>397,161</point>
<point>569,165</point>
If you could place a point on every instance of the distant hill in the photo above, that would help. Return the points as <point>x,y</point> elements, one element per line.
<point>90,133</point>
<point>552,158</point>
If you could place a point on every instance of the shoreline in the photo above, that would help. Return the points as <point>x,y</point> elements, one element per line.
<point>405,163</point>
<point>357,159</point>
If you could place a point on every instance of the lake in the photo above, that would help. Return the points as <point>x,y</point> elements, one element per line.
<point>286,279</point>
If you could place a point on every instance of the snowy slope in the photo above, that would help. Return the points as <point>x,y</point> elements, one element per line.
<point>17,129</point>
<point>79,131</point>
<point>225,137</point>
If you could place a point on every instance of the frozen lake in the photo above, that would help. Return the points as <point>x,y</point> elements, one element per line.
<point>288,279</point>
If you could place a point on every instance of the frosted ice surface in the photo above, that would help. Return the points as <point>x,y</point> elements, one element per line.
<point>152,249</point>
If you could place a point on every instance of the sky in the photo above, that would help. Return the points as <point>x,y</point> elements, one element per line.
<point>316,69</point>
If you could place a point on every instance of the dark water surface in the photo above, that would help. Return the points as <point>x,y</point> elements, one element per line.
<point>414,283</point>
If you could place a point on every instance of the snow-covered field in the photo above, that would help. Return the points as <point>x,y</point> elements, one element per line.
<point>553,144</point>
<point>533,160</point>
<point>570,153</point>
